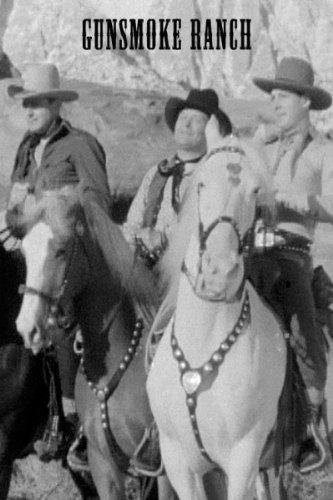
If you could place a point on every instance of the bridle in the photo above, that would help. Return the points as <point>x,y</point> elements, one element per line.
<point>203,237</point>
<point>56,315</point>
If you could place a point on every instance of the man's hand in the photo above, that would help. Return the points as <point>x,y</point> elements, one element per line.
<point>151,238</point>
<point>150,244</point>
<point>18,194</point>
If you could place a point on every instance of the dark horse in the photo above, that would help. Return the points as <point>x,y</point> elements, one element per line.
<point>76,254</point>
<point>23,390</point>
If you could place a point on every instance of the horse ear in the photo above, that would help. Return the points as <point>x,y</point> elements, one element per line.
<point>212,133</point>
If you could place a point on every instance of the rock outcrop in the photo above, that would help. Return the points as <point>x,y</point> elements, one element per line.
<point>126,109</point>
<point>39,30</point>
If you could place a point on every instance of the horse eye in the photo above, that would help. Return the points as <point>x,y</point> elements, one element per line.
<point>256,190</point>
<point>60,252</point>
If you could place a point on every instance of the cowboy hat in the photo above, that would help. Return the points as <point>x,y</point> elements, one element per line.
<point>296,75</point>
<point>205,100</point>
<point>41,81</point>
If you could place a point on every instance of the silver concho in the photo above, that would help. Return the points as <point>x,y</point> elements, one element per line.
<point>191,380</point>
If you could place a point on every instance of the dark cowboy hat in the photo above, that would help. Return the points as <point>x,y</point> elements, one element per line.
<point>41,81</point>
<point>205,100</point>
<point>296,75</point>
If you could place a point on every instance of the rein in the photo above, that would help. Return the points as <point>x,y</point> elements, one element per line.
<point>204,233</point>
<point>104,393</point>
<point>197,380</point>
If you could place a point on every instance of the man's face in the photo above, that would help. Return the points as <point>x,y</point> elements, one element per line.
<point>290,109</point>
<point>40,113</point>
<point>189,130</point>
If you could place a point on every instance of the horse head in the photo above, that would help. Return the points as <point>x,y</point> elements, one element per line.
<point>218,212</point>
<point>55,250</point>
<point>76,255</point>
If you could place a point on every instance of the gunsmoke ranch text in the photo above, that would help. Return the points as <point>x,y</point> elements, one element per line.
<point>165,34</point>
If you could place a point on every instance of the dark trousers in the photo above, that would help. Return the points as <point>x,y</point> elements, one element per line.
<point>284,278</point>
<point>68,362</point>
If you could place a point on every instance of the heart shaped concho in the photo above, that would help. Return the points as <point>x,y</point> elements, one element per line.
<point>191,380</point>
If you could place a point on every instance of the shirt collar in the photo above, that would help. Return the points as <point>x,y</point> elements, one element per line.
<point>300,131</point>
<point>190,165</point>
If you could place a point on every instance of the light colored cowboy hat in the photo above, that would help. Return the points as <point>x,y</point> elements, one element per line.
<point>296,75</point>
<point>41,81</point>
<point>205,100</point>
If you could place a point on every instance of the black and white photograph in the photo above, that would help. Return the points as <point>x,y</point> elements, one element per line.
<point>166,250</point>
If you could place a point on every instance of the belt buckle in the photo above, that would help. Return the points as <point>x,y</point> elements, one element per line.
<point>265,238</point>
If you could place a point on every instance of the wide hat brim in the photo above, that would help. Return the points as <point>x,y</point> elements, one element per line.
<point>19,92</point>
<point>319,98</point>
<point>175,105</point>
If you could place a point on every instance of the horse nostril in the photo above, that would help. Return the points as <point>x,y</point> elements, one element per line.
<point>35,335</point>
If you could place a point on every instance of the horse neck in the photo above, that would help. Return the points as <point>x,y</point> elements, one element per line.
<point>10,301</point>
<point>202,325</point>
<point>106,316</point>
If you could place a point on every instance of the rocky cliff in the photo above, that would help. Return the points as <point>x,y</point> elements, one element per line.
<point>40,30</point>
<point>124,91</point>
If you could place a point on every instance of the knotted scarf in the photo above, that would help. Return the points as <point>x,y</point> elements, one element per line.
<point>173,167</point>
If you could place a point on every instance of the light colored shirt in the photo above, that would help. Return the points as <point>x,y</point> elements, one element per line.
<point>39,151</point>
<point>167,217</point>
<point>307,178</point>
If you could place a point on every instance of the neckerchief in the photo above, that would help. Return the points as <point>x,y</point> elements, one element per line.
<point>174,167</point>
<point>24,161</point>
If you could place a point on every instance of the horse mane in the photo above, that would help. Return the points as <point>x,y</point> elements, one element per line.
<point>133,275</point>
<point>62,208</point>
<point>58,208</point>
<point>170,266</point>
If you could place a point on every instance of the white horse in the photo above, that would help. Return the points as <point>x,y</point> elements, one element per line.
<point>219,370</point>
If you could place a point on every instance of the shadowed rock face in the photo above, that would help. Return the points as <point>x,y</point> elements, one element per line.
<point>7,70</point>
<point>130,123</point>
<point>40,30</point>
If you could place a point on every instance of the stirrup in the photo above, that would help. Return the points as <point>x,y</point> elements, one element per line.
<point>147,460</point>
<point>316,451</point>
<point>54,443</point>
<point>77,459</point>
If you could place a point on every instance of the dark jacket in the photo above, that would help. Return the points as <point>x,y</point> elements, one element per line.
<point>71,156</point>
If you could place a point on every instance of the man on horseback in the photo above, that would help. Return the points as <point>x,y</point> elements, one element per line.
<point>301,162</point>
<point>153,213</point>
<point>53,154</point>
